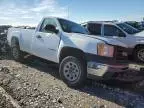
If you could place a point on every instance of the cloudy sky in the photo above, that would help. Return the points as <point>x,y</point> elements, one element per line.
<point>19,12</point>
<point>29,12</point>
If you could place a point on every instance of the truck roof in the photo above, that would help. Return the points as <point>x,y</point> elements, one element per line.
<point>58,18</point>
<point>50,17</point>
<point>55,17</point>
<point>101,22</point>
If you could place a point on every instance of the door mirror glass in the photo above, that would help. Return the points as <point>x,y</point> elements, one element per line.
<point>120,33</point>
<point>51,28</point>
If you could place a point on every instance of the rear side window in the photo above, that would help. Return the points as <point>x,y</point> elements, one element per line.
<point>111,30</point>
<point>94,29</point>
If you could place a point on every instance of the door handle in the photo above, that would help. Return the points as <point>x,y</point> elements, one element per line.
<point>38,36</point>
<point>115,37</point>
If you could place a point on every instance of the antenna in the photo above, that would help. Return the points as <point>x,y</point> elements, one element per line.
<point>68,8</point>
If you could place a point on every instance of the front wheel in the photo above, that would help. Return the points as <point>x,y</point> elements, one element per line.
<point>73,71</point>
<point>139,54</point>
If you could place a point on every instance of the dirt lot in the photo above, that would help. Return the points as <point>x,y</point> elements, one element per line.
<point>36,84</point>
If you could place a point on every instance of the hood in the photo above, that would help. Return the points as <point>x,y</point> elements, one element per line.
<point>139,37</point>
<point>140,34</point>
<point>106,40</point>
<point>109,41</point>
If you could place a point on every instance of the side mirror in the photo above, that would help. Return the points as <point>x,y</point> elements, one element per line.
<point>121,34</point>
<point>51,28</point>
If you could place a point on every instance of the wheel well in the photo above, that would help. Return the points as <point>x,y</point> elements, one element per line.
<point>68,51</point>
<point>14,40</point>
<point>138,46</point>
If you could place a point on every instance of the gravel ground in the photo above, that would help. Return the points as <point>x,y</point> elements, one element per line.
<point>6,100</point>
<point>37,84</point>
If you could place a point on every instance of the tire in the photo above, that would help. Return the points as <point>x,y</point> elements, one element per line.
<point>73,71</point>
<point>139,54</point>
<point>17,54</point>
<point>138,87</point>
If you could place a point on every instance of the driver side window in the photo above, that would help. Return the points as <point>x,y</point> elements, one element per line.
<point>47,21</point>
<point>111,30</point>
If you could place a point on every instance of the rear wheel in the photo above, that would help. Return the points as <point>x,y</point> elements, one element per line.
<point>139,54</point>
<point>138,86</point>
<point>17,54</point>
<point>73,71</point>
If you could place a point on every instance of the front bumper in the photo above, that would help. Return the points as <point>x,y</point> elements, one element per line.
<point>95,69</point>
<point>106,67</point>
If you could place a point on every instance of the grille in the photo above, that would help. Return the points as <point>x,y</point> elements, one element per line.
<point>121,53</point>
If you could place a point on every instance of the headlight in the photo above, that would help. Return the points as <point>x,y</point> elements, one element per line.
<point>105,50</point>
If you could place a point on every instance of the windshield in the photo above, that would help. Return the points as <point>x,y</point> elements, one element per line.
<point>71,27</point>
<point>127,28</point>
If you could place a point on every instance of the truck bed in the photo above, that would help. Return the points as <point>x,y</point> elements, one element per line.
<point>24,35</point>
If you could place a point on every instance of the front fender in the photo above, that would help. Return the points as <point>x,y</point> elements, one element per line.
<point>83,43</point>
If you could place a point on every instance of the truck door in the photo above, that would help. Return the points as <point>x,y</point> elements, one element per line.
<point>111,31</point>
<point>45,44</point>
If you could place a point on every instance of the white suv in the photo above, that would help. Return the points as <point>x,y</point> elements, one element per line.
<point>133,38</point>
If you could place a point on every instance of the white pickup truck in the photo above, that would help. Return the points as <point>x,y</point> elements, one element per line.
<point>133,38</point>
<point>68,44</point>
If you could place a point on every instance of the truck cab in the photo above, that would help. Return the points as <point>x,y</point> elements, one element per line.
<point>133,38</point>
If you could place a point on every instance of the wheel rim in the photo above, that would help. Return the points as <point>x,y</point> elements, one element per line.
<point>15,52</point>
<point>141,55</point>
<point>71,71</point>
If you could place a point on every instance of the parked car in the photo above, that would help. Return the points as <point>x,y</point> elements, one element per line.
<point>122,32</point>
<point>68,44</point>
<point>142,23</point>
<point>137,25</point>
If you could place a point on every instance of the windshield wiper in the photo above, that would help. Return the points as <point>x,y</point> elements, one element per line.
<point>78,32</point>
